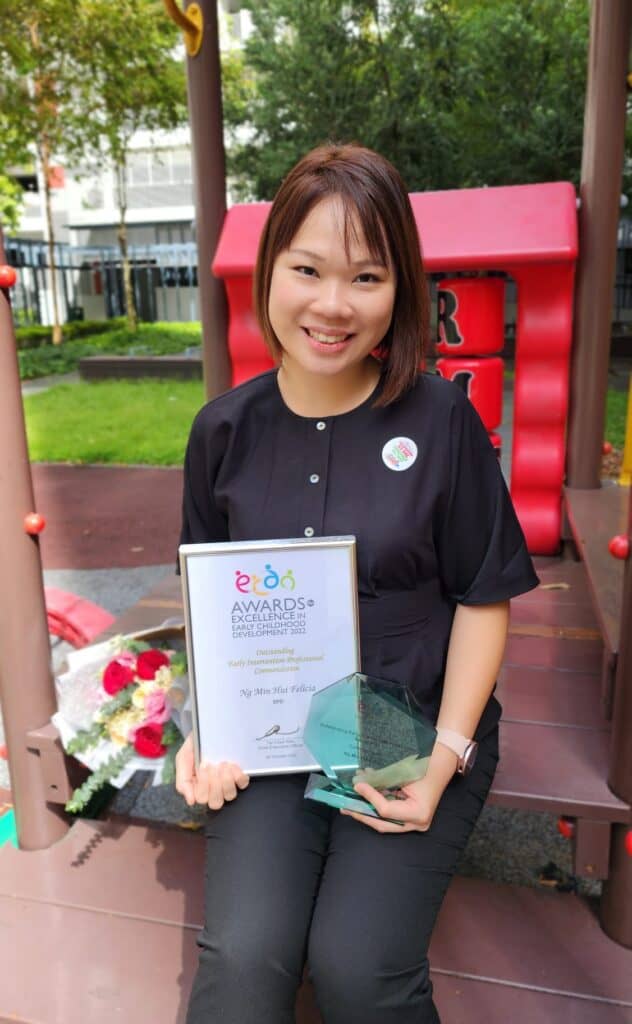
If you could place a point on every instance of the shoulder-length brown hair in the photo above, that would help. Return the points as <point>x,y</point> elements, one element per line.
<point>375,201</point>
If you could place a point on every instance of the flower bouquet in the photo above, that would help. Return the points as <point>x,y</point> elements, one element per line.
<point>123,705</point>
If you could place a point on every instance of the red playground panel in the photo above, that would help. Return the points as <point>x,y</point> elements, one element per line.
<point>527,231</point>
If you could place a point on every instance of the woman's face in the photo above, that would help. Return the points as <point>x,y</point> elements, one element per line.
<point>329,310</point>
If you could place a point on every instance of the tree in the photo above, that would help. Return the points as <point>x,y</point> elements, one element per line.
<point>132,81</point>
<point>521,90</point>
<point>38,84</point>
<point>10,203</point>
<point>454,92</point>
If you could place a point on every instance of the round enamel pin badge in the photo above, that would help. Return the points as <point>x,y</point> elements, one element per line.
<point>399,453</point>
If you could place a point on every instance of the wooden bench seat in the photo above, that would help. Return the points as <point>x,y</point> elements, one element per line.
<point>594,517</point>
<point>554,737</point>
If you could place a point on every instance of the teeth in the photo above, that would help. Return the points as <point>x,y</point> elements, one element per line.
<point>326,339</point>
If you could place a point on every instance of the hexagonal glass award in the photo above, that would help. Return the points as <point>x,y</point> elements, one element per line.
<point>364,729</point>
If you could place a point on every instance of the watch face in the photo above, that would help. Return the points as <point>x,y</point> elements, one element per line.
<point>469,757</point>
<point>466,763</point>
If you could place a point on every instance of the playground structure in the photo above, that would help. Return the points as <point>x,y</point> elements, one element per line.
<point>104,890</point>
<point>530,233</point>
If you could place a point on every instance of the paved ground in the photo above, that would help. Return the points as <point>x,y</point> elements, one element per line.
<point>102,517</point>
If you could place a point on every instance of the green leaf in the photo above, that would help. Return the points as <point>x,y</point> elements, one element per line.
<point>108,771</point>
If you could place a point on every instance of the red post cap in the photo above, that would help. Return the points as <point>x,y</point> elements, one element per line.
<point>606,447</point>
<point>8,276</point>
<point>619,546</point>
<point>566,827</point>
<point>34,523</point>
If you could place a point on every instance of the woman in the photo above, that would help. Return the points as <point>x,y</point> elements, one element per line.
<point>348,437</point>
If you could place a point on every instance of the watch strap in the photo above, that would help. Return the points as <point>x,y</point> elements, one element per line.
<point>453,740</point>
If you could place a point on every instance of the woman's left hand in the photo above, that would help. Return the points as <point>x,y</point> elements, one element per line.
<point>416,803</point>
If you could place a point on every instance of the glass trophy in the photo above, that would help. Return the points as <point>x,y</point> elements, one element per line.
<point>363,729</point>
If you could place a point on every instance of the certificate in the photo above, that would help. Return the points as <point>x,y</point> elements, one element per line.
<point>268,624</point>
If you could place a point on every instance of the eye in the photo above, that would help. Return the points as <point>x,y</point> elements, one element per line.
<point>367,278</point>
<point>305,271</point>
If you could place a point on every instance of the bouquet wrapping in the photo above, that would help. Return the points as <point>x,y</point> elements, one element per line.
<point>124,705</point>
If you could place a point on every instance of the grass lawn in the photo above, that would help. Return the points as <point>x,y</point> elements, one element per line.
<point>133,422</point>
<point>148,421</point>
<point>616,407</point>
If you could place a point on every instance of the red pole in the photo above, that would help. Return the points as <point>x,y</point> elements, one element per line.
<point>27,694</point>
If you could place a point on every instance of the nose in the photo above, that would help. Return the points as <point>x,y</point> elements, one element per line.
<point>332,300</point>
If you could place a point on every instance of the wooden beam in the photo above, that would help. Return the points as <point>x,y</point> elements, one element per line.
<point>600,192</point>
<point>209,173</point>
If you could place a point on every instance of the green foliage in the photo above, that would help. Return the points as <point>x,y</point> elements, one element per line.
<point>455,92</point>
<point>11,203</point>
<point>35,335</point>
<point>85,739</point>
<point>39,78</point>
<point>132,79</point>
<point>521,90</point>
<point>120,701</point>
<point>99,778</point>
<point>158,339</point>
<point>616,412</point>
<point>128,422</point>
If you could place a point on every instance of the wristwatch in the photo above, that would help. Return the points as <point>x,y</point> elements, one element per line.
<point>464,749</point>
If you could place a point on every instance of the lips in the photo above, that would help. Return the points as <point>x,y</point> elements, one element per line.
<point>326,337</point>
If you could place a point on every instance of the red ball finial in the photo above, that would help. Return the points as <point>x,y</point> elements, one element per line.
<point>34,523</point>
<point>8,276</point>
<point>619,546</point>
<point>606,447</point>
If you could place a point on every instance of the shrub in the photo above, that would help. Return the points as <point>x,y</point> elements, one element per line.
<point>150,339</point>
<point>37,335</point>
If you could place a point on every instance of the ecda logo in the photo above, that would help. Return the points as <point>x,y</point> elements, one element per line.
<point>249,583</point>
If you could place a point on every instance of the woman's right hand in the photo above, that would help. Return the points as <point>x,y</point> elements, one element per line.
<point>211,784</point>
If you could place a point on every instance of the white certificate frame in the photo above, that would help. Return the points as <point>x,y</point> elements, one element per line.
<point>266,649</point>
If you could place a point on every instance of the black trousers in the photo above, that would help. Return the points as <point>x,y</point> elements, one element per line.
<point>290,880</point>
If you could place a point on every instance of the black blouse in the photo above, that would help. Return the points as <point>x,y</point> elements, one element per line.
<point>417,483</point>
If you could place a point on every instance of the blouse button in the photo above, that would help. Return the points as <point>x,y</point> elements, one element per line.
<point>321,425</point>
<point>309,531</point>
<point>314,478</point>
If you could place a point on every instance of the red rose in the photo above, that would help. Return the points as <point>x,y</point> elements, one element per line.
<point>148,741</point>
<point>148,663</point>
<point>118,674</point>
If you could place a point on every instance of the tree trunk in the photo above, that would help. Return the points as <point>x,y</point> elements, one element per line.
<point>130,304</point>
<point>50,235</point>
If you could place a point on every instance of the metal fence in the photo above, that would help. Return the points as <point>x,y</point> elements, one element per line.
<point>89,282</point>
<point>165,282</point>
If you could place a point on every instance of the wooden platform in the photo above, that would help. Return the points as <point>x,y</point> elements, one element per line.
<point>106,920</point>
<point>102,927</point>
<point>595,516</point>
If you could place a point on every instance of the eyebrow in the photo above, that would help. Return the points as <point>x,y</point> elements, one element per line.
<point>320,259</point>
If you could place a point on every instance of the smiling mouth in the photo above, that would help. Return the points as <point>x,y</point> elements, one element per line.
<point>326,339</point>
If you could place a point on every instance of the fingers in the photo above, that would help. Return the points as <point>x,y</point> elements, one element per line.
<point>241,779</point>
<point>380,824</point>
<point>385,808</point>
<point>406,810</point>
<point>211,784</point>
<point>185,771</point>
<point>218,783</point>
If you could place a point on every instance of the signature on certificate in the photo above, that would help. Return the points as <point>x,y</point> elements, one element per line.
<point>275,730</point>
